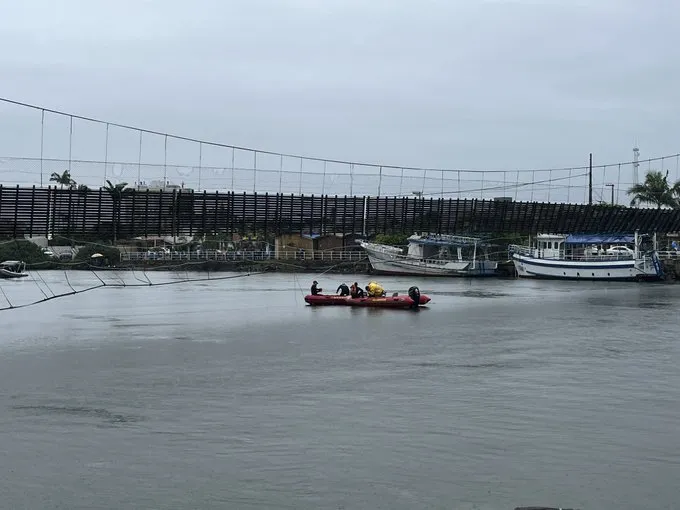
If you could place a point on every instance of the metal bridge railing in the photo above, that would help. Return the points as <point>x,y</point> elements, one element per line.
<point>229,256</point>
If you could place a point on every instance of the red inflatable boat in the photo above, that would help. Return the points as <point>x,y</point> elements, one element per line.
<point>405,301</point>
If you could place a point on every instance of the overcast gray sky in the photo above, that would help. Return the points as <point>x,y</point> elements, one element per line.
<point>447,84</point>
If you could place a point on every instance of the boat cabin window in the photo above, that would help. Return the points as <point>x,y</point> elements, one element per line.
<point>550,245</point>
<point>550,249</point>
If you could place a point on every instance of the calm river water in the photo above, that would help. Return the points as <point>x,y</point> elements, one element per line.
<point>235,394</point>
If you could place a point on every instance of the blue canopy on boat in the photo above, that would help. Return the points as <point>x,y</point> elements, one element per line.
<point>599,239</point>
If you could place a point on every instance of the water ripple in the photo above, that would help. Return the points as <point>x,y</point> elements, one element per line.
<point>78,411</point>
<point>237,395</point>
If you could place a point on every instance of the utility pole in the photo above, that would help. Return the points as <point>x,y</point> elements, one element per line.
<point>612,187</point>
<point>590,180</point>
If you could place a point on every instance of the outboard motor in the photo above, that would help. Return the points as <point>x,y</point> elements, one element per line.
<point>414,294</point>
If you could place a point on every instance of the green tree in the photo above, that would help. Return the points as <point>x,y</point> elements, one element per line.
<point>117,192</point>
<point>656,191</point>
<point>63,179</point>
<point>23,250</point>
<point>110,254</point>
<point>392,239</point>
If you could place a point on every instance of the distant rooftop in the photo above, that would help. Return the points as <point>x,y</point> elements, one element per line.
<point>160,185</point>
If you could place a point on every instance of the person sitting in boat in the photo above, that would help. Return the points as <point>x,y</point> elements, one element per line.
<point>343,289</point>
<point>316,290</point>
<point>375,289</point>
<point>355,291</point>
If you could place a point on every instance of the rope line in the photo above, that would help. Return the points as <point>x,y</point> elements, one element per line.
<point>298,156</point>
<point>119,281</point>
<point>503,186</point>
<point>114,285</point>
<point>328,174</point>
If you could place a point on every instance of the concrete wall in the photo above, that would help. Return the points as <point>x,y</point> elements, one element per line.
<point>329,243</point>
<point>292,243</point>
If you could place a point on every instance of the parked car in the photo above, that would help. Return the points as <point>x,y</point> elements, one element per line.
<point>621,251</point>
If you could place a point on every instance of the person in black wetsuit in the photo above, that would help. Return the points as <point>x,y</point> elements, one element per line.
<point>343,289</point>
<point>316,290</point>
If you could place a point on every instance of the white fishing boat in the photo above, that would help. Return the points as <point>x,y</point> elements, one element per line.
<point>432,255</point>
<point>588,257</point>
<point>12,269</point>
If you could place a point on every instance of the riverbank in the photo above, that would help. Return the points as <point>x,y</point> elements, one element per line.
<point>505,269</point>
<point>270,266</point>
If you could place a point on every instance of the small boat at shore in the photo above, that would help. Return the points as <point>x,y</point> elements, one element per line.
<point>414,299</point>
<point>432,255</point>
<point>13,269</point>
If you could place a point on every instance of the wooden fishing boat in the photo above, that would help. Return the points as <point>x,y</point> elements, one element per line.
<point>12,269</point>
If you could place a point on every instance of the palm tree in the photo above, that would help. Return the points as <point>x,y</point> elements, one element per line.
<point>81,200</point>
<point>675,191</point>
<point>117,191</point>
<point>63,179</point>
<point>656,191</point>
